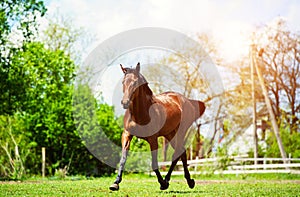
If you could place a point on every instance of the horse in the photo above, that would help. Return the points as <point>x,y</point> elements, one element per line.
<point>150,116</point>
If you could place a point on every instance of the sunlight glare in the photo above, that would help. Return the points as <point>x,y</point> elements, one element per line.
<point>234,40</point>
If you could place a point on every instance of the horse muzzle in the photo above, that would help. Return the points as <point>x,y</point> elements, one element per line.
<point>125,104</point>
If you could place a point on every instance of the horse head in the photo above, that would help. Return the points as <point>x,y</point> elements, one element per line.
<point>132,80</point>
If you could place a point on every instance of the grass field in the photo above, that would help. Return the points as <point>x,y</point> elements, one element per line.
<point>143,185</point>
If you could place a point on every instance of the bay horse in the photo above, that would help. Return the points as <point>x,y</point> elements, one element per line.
<point>150,116</point>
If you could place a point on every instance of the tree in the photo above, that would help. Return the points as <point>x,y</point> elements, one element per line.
<point>291,142</point>
<point>98,129</point>
<point>19,15</point>
<point>37,82</point>
<point>14,16</point>
<point>61,34</point>
<point>44,79</point>
<point>280,50</point>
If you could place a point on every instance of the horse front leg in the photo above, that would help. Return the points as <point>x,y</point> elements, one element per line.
<point>154,146</point>
<point>126,138</point>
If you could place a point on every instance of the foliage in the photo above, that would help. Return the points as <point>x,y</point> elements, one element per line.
<point>14,147</point>
<point>20,15</point>
<point>42,81</point>
<point>139,158</point>
<point>98,129</point>
<point>37,82</point>
<point>223,158</point>
<point>44,91</point>
<point>14,16</point>
<point>291,143</point>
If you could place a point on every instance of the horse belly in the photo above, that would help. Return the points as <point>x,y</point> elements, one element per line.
<point>172,121</point>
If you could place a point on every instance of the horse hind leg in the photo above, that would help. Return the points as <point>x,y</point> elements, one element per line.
<point>180,154</point>
<point>191,182</point>
<point>176,155</point>
<point>173,164</point>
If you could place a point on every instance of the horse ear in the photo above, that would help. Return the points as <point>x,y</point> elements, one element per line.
<point>138,67</point>
<point>123,69</point>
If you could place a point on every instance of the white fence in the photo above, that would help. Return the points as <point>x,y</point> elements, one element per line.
<point>237,165</point>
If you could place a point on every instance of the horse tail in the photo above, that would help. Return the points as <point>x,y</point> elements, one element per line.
<point>201,107</point>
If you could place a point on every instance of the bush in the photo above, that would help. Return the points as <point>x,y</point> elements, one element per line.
<point>14,147</point>
<point>291,144</point>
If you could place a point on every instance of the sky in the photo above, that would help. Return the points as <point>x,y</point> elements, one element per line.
<point>228,21</point>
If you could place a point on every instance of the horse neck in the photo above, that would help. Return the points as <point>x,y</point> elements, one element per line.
<point>139,108</point>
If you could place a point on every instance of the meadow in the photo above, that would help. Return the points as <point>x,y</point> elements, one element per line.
<point>144,185</point>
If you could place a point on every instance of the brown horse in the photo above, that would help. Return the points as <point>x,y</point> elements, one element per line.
<point>148,116</point>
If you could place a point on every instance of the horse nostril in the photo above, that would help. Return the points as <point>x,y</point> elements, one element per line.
<point>125,104</point>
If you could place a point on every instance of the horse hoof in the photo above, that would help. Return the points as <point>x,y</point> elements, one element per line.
<point>164,185</point>
<point>114,187</point>
<point>191,183</point>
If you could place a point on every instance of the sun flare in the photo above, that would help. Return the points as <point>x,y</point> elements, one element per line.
<point>233,41</point>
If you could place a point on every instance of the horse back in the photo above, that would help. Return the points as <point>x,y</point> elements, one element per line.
<point>183,104</point>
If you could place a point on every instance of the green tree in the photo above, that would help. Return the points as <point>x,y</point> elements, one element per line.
<point>37,82</point>
<point>291,143</point>
<point>98,128</point>
<point>44,80</point>
<point>17,16</point>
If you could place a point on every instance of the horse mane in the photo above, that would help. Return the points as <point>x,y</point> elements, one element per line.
<point>148,91</point>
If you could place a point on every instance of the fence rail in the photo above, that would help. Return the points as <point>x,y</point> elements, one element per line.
<point>237,165</point>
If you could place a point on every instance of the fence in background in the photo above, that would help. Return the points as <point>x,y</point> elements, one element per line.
<point>236,165</point>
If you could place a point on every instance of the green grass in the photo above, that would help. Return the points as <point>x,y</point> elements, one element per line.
<point>143,185</point>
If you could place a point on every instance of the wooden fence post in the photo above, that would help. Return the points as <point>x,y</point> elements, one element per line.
<point>43,161</point>
<point>255,148</point>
